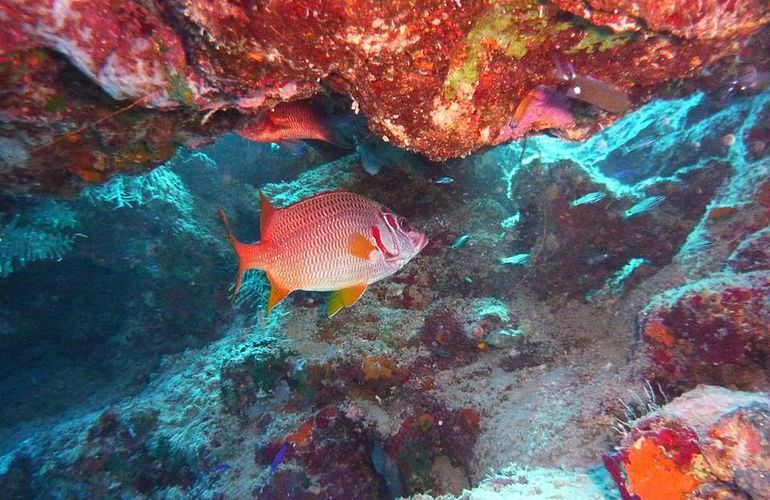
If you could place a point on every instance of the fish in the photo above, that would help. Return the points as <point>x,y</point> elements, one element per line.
<point>290,121</point>
<point>279,457</point>
<point>460,241</point>
<point>520,259</point>
<point>588,199</point>
<point>542,108</point>
<point>444,179</point>
<point>387,468</point>
<point>336,241</point>
<point>750,79</point>
<point>643,206</point>
<point>592,90</point>
<point>376,154</point>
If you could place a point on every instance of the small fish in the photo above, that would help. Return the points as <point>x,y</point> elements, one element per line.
<point>376,154</point>
<point>592,90</point>
<point>643,206</point>
<point>750,79</point>
<point>460,241</point>
<point>221,468</point>
<point>290,121</point>
<point>279,457</point>
<point>387,468</point>
<point>520,259</point>
<point>600,258</point>
<point>589,198</point>
<point>443,180</point>
<point>336,241</point>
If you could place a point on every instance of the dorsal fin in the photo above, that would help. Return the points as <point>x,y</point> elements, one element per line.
<point>266,212</point>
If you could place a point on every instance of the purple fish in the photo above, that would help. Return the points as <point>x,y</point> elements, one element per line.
<point>279,457</point>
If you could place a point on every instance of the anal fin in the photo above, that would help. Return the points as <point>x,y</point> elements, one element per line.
<point>278,292</point>
<point>345,298</point>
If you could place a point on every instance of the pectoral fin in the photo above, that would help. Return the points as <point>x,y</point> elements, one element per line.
<point>345,298</point>
<point>278,292</point>
<point>360,246</point>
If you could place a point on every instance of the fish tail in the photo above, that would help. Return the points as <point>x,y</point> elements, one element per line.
<point>250,255</point>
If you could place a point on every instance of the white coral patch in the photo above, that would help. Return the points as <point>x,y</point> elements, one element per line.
<point>380,42</point>
<point>287,91</point>
<point>397,131</point>
<point>144,78</point>
<point>445,115</point>
<point>252,103</point>
<point>62,12</point>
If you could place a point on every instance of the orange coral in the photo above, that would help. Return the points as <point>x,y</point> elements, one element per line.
<point>425,421</point>
<point>656,331</point>
<point>471,417</point>
<point>376,367</point>
<point>654,476</point>
<point>302,436</point>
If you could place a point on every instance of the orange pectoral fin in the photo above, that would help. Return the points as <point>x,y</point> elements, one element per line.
<point>360,247</point>
<point>344,298</point>
<point>278,292</point>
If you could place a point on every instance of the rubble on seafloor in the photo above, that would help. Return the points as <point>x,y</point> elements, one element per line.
<point>567,287</point>
<point>93,89</point>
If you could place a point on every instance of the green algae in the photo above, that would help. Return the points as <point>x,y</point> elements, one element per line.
<point>499,29</point>
<point>179,90</point>
<point>599,38</point>
<point>418,463</point>
<point>55,103</point>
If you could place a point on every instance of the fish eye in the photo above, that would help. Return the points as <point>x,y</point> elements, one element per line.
<point>404,224</point>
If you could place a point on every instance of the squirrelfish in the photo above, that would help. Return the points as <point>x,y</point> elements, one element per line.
<point>290,121</point>
<point>336,241</point>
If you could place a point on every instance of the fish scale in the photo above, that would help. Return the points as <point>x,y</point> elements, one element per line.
<point>336,241</point>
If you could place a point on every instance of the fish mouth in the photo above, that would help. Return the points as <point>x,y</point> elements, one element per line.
<point>419,241</point>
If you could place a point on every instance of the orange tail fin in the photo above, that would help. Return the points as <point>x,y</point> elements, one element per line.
<point>249,254</point>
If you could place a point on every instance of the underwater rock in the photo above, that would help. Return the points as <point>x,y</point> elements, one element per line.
<point>709,440</point>
<point>60,132</point>
<point>716,331</point>
<point>598,248</point>
<point>440,78</point>
<point>243,379</point>
<point>753,254</point>
<point>683,18</point>
<point>447,477</point>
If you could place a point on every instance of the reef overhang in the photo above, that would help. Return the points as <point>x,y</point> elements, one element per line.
<point>442,78</point>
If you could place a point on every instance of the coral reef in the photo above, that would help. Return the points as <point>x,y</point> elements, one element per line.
<point>569,290</point>
<point>438,77</point>
<point>710,442</point>
<point>715,331</point>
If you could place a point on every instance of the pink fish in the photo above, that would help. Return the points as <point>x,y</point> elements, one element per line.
<point>290,121</point>
<point>543,108</point>
<point>336,241</point>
